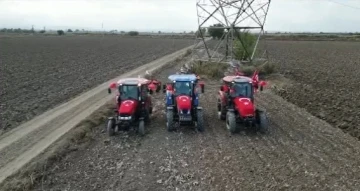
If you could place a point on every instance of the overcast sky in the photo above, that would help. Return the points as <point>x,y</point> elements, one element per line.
<point>172,15</point>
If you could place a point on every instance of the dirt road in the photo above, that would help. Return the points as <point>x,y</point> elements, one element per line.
<point>22,144</point>
<point>300,153</point>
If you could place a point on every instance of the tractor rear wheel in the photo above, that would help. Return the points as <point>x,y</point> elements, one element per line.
<point>263,122</point>
<point>170,120</point>
<point>147,116</point>
<point>111,127</point>
<point>231,122</point>
<point>200,121</point>
<point>141,128</point>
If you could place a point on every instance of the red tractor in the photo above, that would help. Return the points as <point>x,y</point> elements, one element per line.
<point>133,104</point>
<point>236,103</point>
<point>182,101</point>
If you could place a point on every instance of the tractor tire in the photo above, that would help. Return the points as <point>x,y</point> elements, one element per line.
<point>110,127</point>
<point>200,121</point>
<point>150,110</point>
<point>263,122</point>
<point>231,122</point>
<point>170,120</point>
<point>141,128</point>
<point>147,116</point>
<point>220,112</point>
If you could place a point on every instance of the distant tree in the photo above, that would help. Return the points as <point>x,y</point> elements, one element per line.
<point>133,33</point>
<point>77,30</point>
<point>216,32</point>
<point>60,32</point>
<point>42,31</point>
<point>3,30</point>
<point>69,30</point>
<point>17,30</point>
<point>122,32</point>
<point>203,32</point>
<point>159,32</point>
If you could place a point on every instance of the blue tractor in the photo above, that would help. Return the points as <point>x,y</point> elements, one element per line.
<point>182,101</point>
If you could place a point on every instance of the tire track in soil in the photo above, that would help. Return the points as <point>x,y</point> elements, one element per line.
<point>295,155</point>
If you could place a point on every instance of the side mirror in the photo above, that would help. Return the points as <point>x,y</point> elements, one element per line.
<point>262,84</point>
<point>112,86</point>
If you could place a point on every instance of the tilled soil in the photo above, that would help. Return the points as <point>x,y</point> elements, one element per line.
<point>324,79</point>
<point>38,73</point>
<point>301,152</point>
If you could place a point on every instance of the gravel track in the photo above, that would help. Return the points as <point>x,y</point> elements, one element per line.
<point>38,73</point>
<point>301,152</point>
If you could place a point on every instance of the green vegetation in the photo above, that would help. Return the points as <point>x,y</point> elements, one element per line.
<point>60,32</point>
<point>216,32</point>
<point>133,33</point>
<point>203,32</point>
<point>244,45</point>
<point>210,69</point>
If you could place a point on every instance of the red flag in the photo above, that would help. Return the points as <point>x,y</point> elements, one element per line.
<point>255,77</point>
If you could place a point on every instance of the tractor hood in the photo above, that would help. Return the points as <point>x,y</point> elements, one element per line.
<point>128,107</point>
<point>183,102</point>
<point>244,106</point>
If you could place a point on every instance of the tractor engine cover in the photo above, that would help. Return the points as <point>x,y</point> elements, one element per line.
<point>183,103</point>
<point>128,107</point>
<point>244,106</point>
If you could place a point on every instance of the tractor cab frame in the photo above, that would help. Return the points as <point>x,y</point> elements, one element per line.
<point>182,101</point>
<point>133,105</point>
<point>236,104</point>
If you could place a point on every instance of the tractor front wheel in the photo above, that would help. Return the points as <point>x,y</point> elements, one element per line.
<point>200,121</point>
<point>263,125</point>
<point>141,128</point>
<point>231,122</point>
<point>170,120</point>
<point>111,127</point>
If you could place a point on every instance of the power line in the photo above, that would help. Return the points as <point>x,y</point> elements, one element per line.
<point>344,4</point>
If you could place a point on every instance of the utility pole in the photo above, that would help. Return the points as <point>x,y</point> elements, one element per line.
<point>235,18</point>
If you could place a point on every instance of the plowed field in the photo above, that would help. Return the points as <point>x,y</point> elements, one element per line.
<point>38,73</point>
<point>324,79</point>
<point>301,152</point>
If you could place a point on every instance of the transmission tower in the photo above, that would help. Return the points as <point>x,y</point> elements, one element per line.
<point>235,18</point>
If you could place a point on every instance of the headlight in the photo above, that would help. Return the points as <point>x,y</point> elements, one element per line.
<point>125,118</point>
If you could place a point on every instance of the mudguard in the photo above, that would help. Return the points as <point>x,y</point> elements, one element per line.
<point>222,97</point>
